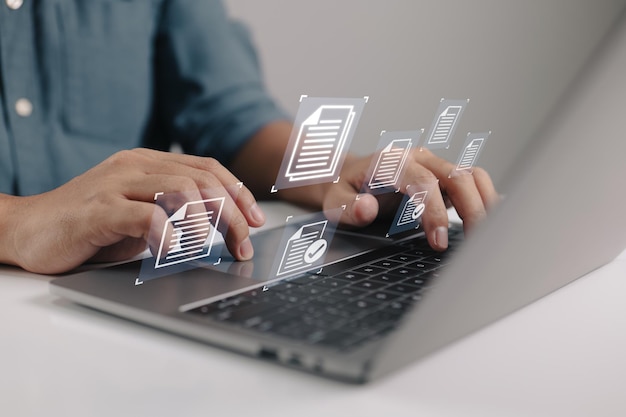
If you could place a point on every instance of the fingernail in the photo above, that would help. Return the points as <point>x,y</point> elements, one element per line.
<point>441,237</point>
<point>257,214</point>
<point>245,250</point>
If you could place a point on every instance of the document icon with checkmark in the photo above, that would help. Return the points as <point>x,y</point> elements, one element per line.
<point>410,211</point>
<point>304,249</point>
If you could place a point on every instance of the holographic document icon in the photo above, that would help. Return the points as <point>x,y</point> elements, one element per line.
<point>304,248</point>
<point>390,163</point>
<point>444,125</point>
<point>469,154</point>
<point>189,233</point>
<point>412,209</point>
<point>319,141</point>
<point>474,144</point>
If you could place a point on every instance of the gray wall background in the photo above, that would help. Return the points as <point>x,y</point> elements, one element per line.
<point>513,59</point>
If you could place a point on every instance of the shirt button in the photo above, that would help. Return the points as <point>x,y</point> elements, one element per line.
<point>24,107</point>
<point>14,4</point>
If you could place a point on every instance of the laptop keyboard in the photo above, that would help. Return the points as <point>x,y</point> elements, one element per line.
<point>350,303</point>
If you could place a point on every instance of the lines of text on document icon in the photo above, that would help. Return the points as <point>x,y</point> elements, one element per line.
<point>305,247</point>
<point>320,142</point>
<point>445,124</point>
<point>390,163</point>
<point>469,155</point>
<point>188,233</point>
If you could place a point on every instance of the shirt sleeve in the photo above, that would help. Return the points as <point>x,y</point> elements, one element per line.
<point>209,86</point>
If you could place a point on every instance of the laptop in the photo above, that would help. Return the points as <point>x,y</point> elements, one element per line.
<point>378,305</point>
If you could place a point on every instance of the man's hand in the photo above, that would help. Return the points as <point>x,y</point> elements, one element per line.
<point>107,213</point>
<point>472,194</point>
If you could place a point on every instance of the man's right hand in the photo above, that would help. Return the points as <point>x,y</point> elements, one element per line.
<point>107,213</point>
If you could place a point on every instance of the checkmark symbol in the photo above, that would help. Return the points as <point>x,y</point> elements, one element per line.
<point>315,251</point>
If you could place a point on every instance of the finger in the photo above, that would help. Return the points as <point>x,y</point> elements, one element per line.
<point>168,191</point>
<point>216,206</point>
<point>435,217</point>
<point>128,219</point>
<point>486,188</point>
<point>359,211</point>
<point>418,178</point>
<point>230,222</point>
<point>461,189</point>
<point>145,221</point>
<point>197,169</point>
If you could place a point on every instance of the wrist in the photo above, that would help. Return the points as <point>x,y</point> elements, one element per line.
<point>9,212</point>
<point>313,196</point>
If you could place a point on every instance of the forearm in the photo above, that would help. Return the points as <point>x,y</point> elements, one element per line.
<point>258,163</point>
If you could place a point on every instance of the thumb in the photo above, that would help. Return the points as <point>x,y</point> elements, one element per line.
<point>361,209</point>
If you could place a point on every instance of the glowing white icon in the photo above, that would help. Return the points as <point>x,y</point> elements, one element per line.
<point>189,233</point>
<point>390,163</point>
<point>469,154</point>
<point>474,144</point>
<point>442,129</point>
<point>413,208</point>
<point>320,142</point>
<point>304,248</point>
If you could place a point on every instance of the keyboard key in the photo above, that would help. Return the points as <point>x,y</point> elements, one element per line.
<point>349,292</point>
<point>436,258</point>
<point>370,270</point>
<point>350,276</point>
<point>413,298</point>
<point>397,306</point>
<point>418,282</point>
<point>325,321</point>
<point>406,272</point>
<point>312,308</point>
<point>402,288</point>
<point>404,257</point>
<point>332,283</point>
<point>386,264</point>
<point>310,290</point>
<point>387,278</point>
<point>382,296</point>
<point>289,298</point>
<point>359,306</point>
<point>329,299</point>
<point>423,266</point>
<point>369,285</point>
<point>419,252</point>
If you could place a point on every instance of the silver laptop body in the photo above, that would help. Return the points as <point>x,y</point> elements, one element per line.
<point>562,219</point>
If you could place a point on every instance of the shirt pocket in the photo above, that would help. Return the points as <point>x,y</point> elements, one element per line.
<point>106,51</point>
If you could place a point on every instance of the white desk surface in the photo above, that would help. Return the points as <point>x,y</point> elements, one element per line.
<point>564,355</point>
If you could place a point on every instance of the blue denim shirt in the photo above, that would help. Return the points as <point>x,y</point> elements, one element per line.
<point>106,75</point>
